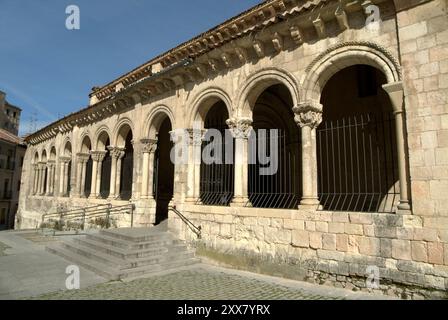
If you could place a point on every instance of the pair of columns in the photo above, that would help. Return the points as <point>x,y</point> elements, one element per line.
<point>117,155</point>
<point>149,147</point>
<point>51,167</point>
<point>64,178</point>
<point>38,178</point>
<point>83,158</point>
<point>42,169</point>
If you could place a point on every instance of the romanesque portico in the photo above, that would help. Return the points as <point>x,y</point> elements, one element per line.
<point>353,185</point>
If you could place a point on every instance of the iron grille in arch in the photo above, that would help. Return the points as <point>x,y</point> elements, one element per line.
<point>279,189</point>
<point>216,182</point>
<point>357,163</point>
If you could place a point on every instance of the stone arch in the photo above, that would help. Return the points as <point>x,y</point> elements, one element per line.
<point>204,101</point>
<point>67,151</point>
<point>53,153</point>
<point>86,144</point>
<point>156,118</point>
<point>101,136</point>
<point>36,157</point>
<point>344,55</point>
<point>258,82</point>
<point>123,127</point>
<point>44,156</point>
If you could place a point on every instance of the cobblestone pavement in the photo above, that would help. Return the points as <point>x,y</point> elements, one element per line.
<point>3,247</point>
<point>195,284</point>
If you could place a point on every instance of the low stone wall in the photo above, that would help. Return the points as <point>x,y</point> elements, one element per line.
<point>143,214</point>
<point>325,247</point>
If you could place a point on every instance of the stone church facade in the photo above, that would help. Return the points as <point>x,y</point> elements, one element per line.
<point>358,92</point>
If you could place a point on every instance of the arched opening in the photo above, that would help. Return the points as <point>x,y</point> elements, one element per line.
<point>163,181</point>
<point>52,175</point>
<point>217,169</point>
<point>127,166</point>
<point>356,143</point>
<point>36,174</point>
<point>274,152</point>
<point>86,150</point>
<point>106,165</point>
<point>67,172</point>
<point>45,176</point>
<point>125,141</point>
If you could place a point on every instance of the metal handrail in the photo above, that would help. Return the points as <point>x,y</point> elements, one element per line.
<point>196,229</point>
<point>91,212</point>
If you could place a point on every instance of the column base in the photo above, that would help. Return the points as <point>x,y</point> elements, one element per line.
<point>309,204</point>
<point>192,200</point>
<point>240,202</point>
<point>404,206</point>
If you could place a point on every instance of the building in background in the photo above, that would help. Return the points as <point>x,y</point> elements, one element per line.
<point>12,152</point>
<point>9,115</point>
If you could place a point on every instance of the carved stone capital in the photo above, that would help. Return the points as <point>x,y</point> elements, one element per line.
<point>98,156</point>
<point>65,159</point>
<point>116,152</point>
<point>83,157</point>
<point>196,136</point>
<point>149,145</point>
<point>240,128</point>
<point>308,114</point>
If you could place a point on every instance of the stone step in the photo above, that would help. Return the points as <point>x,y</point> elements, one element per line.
<point>120,252</point>
<point>94,255</point>
<point>101,269</point>
<point>134,273</point>
<point>130,262</point>
<point>147,236</point>
<point>125,254</point>
<point>129,245</point>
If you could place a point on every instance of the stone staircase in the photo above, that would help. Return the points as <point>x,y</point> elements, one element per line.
<point>125,254</point>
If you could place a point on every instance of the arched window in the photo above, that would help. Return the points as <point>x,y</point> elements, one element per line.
<point>356,143</point>
<point>217,169</point>
<point>274,152</point>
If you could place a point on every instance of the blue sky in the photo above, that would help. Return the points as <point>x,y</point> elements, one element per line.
<point>48,71</point>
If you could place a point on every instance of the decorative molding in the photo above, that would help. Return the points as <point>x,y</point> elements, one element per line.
<point>308,114</point>
<point>368,44</point>
<point>149,145</point>
<point>240,128</point>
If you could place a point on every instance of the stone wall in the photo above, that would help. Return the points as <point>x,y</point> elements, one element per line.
<point>324,243</point>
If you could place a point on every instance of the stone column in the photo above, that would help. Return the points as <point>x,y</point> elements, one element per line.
<point>81,178</point>
<point>241,130</point>
<point>65,177</point>
<point>308,116</point>
<point>194,164</point>
<point>117,154</point>
<point>36,178</point>
<point>42,178</point>
<point>51,175</point>
<point>149,147</point>
<point>97,157</point>
<point>396,95</point>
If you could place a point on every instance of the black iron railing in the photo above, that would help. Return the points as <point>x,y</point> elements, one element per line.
<point>101,216</point>
<point>274,182</point>
<point>196,229</point>
<point>357,163</point>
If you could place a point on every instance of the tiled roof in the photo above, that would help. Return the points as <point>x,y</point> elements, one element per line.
<point>9,137</point>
